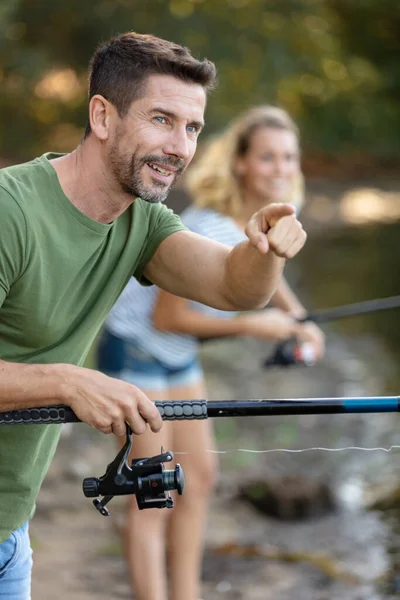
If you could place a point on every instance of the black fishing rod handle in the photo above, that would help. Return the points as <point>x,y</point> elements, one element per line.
<point>51,415</point>
<point>175,410</point>
<point>45,415</point>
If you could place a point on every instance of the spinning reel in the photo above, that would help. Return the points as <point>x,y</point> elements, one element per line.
<point>146,478</point>
<point>291,352</point>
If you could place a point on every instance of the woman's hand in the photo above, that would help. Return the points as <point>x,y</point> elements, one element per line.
<point>309,332</point>
<point>270,324</point>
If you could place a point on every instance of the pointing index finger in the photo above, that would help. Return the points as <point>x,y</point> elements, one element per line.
<point>274,212</point>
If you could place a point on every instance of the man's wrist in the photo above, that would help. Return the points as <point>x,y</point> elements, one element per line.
<point>60,377</point>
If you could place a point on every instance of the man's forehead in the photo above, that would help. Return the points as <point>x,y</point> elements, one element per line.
<point>168,89</point>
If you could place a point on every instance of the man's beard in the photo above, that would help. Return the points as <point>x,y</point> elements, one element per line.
<point>127,172</point>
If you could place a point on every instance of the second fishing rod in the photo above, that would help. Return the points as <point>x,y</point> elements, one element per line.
<point>291,352</point>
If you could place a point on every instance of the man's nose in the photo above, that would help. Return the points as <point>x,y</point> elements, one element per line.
<point>178,144</point>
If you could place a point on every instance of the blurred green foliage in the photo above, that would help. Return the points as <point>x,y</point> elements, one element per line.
<point>333,64</point>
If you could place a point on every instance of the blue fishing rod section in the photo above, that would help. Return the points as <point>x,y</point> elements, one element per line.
<point>304,406</point>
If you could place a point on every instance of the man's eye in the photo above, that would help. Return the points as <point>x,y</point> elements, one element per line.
<point>192,129</point>
<point>161,120</point>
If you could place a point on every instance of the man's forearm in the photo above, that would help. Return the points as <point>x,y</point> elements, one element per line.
<point>252,277</point>
<point>26,386</point>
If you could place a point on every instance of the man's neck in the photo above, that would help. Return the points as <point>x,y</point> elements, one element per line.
<point>85,180</point>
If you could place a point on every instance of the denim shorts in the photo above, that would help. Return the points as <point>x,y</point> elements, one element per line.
<point>126,361</point>
<point>16,565</point>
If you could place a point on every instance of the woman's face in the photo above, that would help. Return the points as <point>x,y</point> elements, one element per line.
<point>270,165</point>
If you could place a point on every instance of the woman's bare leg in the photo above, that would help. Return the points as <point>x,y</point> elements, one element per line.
<point>144,531</point>
<point>187,520</point>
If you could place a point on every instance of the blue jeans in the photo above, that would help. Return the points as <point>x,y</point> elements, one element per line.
<point>125,360</point>
<point>16,565</point>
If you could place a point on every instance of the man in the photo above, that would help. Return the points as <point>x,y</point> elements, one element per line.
<point>75,228</point>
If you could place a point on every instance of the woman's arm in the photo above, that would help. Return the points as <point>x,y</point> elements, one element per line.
<point>287,300</point>
<point>174,314</point>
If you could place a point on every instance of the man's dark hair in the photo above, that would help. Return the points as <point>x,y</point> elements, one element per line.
<point>119,68</point>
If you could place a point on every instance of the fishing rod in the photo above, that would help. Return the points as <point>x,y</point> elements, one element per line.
<point>146,478</point>
<point>351,310</point>
<point>291,352</point>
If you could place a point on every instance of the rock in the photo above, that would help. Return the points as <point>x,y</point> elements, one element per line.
<point>291,497</point>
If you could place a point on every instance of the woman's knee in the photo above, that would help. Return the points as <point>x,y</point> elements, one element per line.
<point>201,477</point>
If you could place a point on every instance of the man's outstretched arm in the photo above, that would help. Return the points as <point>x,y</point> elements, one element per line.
<point>240,278</point>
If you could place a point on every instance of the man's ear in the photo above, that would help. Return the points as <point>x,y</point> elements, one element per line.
<point>99,115</point>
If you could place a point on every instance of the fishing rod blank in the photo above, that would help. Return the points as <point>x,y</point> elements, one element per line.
<point>180,410</point>
<point>352,310</point>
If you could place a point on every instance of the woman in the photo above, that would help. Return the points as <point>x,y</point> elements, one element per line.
<point>151,340</point>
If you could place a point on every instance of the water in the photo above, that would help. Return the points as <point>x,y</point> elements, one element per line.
<point>351,265</point>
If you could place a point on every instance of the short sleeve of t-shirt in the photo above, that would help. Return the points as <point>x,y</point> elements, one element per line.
<point>13,240</point>
<point>162,222</point>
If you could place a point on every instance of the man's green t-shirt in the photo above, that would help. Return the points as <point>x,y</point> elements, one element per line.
<point>60,274</point>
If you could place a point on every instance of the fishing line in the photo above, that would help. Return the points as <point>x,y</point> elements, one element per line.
<point>295,451</point>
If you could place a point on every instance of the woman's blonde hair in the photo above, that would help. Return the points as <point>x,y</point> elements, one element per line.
<point>213,182</point>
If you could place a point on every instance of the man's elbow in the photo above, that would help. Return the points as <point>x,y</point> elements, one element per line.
<point>239,302</point>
